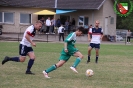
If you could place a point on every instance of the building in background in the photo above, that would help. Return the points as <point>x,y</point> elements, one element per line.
<point>16,15</point>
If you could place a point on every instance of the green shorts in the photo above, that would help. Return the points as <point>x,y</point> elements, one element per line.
<point>65,56</point>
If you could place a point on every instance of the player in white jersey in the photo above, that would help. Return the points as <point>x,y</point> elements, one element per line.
<point>97,35</point>
<point>25,47</point>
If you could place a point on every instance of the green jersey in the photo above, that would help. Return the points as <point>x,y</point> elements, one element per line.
<point>70,40</point>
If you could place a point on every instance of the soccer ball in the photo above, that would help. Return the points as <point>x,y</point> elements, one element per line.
<point>89,73</point>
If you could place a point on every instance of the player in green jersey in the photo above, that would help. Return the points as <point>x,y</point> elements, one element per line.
<point>68,51</point>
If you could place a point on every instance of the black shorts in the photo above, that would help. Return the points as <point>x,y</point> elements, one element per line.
<point>23,50</point>
<point>93,45</point>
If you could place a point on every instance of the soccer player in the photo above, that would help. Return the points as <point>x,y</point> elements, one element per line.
<point>97,35</point>
<point>25,47</point>
<point>68,51</point>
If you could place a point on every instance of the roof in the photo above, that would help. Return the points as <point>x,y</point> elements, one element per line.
<point>61,4</point>
<point>80,4</point>
<point>29,3</point>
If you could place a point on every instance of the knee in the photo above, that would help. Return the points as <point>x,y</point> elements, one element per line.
<point>81,56</point>
<point>33,57</point>
<point>59,65</point>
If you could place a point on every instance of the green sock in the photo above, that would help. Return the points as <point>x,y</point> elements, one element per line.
<point>53,67</point>
<point>77,61</point>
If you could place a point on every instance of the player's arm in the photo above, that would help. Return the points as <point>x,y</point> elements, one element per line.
<point>27,36</point>
<point>89,33</point>
<point>101,35</point>
<point>68,39</point>
<point>65,47</point>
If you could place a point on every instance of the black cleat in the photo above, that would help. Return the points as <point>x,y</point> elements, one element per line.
<point>88,62</point>
<point>5,60</point>
<point>96,62</point>
<point>29,72</point>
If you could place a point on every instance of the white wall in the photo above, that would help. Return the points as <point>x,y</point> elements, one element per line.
<point>108,12</point>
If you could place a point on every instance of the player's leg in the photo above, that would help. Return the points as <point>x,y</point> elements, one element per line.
<point>63,36</point>
<point>22,52</point>
<point>77,61</point>
<point>59,36</point>
<point>89,51</point>
<point>97,47</point>
<point>129,39</point>
<point>62,60</point>
<point>31,60</point>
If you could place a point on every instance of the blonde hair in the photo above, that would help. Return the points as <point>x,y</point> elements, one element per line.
<point>38,21</point>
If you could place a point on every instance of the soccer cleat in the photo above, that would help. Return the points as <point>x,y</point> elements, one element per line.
<point>96,61</point>
<point>74,69</point>
<point>45,74</point>
<point>88,61</point>
<point>5,60</point>
<point>29,72</point>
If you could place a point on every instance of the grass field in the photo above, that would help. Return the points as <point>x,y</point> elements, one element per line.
<point>114,70</point>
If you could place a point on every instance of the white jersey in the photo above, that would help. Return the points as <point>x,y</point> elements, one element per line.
<point>96,34</point>
<point>31,32</point>
<point>61,29</point>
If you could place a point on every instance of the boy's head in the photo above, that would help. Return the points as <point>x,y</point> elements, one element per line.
<point>80,31</point>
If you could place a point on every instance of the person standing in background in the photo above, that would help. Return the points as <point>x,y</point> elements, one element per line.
<point>61,32</point>
<point>128,36</point>
<point>52,26</point>
<point>48,24</point>
<point>66,26</point>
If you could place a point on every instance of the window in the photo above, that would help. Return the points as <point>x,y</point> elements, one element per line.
<point>8,17</point>
<point>1,17</point>
<point>25,18</point>
<point>86,21</point>
<point>81,21</point>
<point>112,20</point>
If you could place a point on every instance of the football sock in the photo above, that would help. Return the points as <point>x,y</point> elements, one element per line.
<point>14,59</point>
<point>88,58</point>
<point>96,59</point>
<point>53,67</point>
<point>77,61</point>
<point>30,63</point>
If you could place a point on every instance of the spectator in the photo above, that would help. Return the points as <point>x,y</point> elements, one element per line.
<point>58,23</point>
<point>128,36</point>
<point>69,27</point>
<point>43,25</point>
<point>66,26</point>
<point>48,24</point>
<point>52,26</point>
<point>73,24</point>
<point>61,32</point>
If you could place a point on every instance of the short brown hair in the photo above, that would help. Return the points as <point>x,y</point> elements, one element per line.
<point>81,29</point>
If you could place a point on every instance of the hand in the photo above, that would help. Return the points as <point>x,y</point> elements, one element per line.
<point>89,40</point>
<point>66,50</point>
<point>101,38</point>
<point>33,44</point>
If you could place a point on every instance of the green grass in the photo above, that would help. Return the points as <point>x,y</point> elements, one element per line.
<point>114,70</point>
